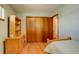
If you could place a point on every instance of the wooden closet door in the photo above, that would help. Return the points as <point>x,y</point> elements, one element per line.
<point>39,29</point>
<point>31,29</point>
<point>45,28</point>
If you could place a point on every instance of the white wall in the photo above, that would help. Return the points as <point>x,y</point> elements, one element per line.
<point>3,25</point>
<point>69,21</point>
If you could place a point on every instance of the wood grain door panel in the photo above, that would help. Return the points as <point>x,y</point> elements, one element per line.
<point>45,28</point>
<point>50,34</point>
<point>39,29</point>
<point>30,23</point>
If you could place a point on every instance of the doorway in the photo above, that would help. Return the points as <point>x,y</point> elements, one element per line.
<point>55,27</point>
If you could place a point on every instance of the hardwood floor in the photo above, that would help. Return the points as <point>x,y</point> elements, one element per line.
<point>34,48</point>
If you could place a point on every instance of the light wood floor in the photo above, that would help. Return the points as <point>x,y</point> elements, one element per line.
<point>34,48</point>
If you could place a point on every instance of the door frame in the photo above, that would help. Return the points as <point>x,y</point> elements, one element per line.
<point>57,25</point>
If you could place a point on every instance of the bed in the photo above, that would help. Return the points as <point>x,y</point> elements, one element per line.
<point>63,47</point>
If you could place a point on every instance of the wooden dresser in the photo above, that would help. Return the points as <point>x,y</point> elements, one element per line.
<point>14,45</point>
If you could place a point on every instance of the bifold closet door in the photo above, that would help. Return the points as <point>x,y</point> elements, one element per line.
<point>31,29</point>
<point>34,29</point>
<point>45,28</point>
<point>39,29</point>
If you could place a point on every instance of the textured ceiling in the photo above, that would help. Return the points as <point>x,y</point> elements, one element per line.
<point>35,7</point>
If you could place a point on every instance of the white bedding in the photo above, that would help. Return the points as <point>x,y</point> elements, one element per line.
<point>65,47</point>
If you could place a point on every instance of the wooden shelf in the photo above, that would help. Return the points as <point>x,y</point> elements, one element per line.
<point>14,25</point>
<point>18,26</point>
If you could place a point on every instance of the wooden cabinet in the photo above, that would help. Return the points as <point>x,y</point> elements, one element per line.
<point>14,45</point>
